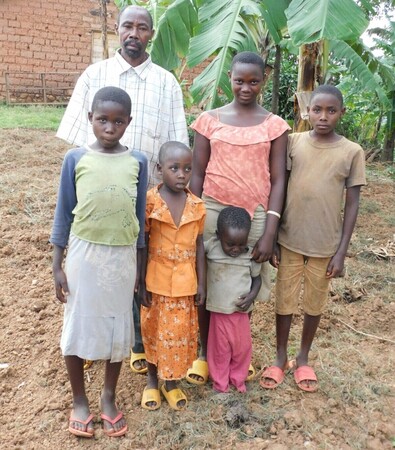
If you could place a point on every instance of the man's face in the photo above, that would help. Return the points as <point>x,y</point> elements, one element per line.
<point>135,30</point>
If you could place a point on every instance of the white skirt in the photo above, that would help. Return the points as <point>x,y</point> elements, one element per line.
<point>98,315</point>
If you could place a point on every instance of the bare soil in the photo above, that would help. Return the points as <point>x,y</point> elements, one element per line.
<point>353,354</point>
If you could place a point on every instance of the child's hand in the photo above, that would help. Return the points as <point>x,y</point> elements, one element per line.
<point>335,266</point>
<point>263,249</point>
<point>245,301</point>
<point>276,256</point>
<point>61,287</point>
<point>200,297</point>
<point>146,297</point>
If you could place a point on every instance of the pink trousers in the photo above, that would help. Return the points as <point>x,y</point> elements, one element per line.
<point>229,350</point>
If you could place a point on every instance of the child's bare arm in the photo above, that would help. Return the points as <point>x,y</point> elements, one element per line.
<point>336,264</point>
<point>146,298</point>
<point>276,255</point>
<point>201,156</point>
<point>140,213</point>
<point>264,247</point>
<point>200,271</point>
<point>61,287</point>
<point>247,299</point>
<point>141,257</point>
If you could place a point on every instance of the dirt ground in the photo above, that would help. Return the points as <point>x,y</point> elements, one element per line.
<point>353,354</point>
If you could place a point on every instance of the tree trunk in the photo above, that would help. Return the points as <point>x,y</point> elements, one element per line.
<point>309,71</point>
<point>103,16</point>
<point>276,81</point>
<point>389,141</point>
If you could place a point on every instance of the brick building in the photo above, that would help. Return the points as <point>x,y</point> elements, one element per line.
<point>46,44</point>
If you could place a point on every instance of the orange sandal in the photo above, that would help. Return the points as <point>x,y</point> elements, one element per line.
<point>111,432</point>
<point>81,433</point>
<point>273,373</point>
<point>305,373</point>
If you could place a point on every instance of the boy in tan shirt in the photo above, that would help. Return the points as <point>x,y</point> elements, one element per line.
<point>313,238</point>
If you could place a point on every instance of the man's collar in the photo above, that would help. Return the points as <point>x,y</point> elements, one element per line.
<point>140,70</point>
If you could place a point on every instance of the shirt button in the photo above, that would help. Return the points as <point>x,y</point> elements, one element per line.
<point>174,268</point>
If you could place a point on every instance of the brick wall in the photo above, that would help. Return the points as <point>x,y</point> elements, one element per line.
<point>52,36</point>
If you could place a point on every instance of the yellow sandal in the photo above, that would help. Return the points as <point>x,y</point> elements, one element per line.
<point>173,397</point>
<point>151,395</point>
<point>87,364</point>
<point>199,368</point>
<point>134,357</point>
<point>251,373</point>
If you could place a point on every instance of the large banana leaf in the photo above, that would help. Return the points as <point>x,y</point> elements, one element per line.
<point>351,55</point>
<point>173,33</point>
<point>313,20</point>
<point>225,29</point>
<point>205,86</point>
<point>273,13</point>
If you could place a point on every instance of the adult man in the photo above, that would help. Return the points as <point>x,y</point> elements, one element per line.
<point>157,104</point>
<point>157,107</point>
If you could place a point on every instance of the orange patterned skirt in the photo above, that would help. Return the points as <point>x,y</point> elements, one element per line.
<point>169,328</point>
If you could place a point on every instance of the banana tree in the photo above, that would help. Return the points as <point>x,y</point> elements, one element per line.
<point>215,29</point>
<point>311,25</point>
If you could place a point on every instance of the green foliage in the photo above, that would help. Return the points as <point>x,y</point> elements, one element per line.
<point>40,117</point>
<point>273,14</point>
<point>287,88</point>
<point>190,118</point>
<point>362,121</point>
<point>363,66</point>
<point>173,33</point>
<point>371,7</point>
<point>314,20</point>
<point>389,171</point>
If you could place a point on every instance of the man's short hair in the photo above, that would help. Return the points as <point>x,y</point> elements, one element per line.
<point>150,20</point>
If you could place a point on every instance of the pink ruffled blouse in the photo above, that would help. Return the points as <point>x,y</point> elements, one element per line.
<point>238,169</point>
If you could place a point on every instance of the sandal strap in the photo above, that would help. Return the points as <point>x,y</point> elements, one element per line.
<point>82,422</point>
<point>114,420</point>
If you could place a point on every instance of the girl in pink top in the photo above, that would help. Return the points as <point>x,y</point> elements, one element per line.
<point>239,159</point>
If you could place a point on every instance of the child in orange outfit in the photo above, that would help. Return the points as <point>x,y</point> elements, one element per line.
<point>175,277</point>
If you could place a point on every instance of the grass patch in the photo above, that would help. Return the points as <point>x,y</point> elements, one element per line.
<point>380,171</point>
<point>32,116</point>
<point>390,220</point>
<point>368,206</point>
